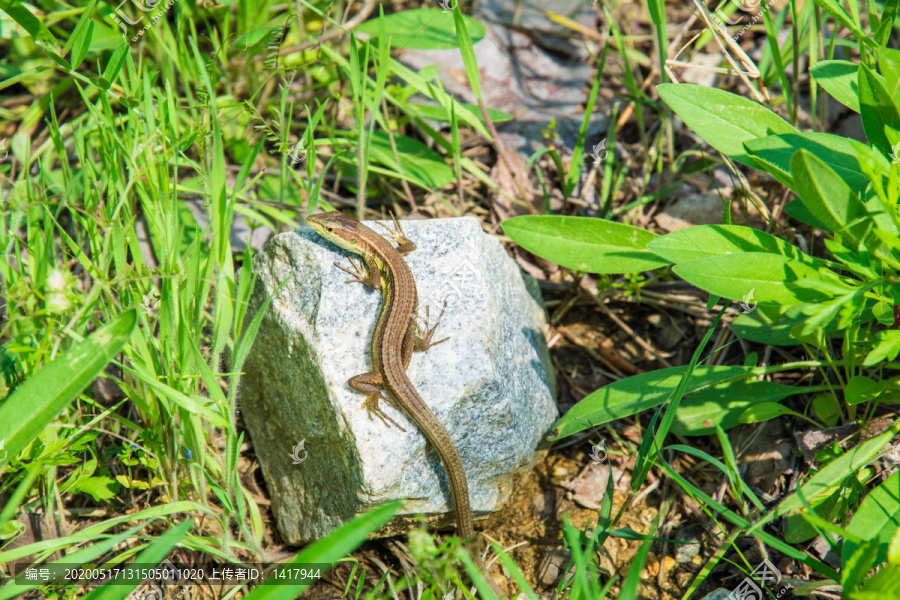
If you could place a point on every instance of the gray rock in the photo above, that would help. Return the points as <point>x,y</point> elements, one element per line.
<point>490,384</point>
<point>553,566</point>
<point>530,67</point>
<point>687,552</point>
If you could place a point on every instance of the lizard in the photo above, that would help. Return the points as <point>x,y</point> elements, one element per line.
<point>393,342</point>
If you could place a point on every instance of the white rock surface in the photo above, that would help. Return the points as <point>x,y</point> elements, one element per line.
<point>491,384</point>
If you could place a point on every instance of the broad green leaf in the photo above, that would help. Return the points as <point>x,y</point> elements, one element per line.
<point>840,79</point>
<point>827,408</point>
<point>777,326</point>
<point>764,325</point>
<point>770,278</point>
<point>630,396</point>
<point>723,404</point>
<point>764,411</point>
<point>877,518</point>
<point>419,163</point>
<point>880,116</point>
<point>82,471</point>
<point>82,44</point>
<point>882,242</point>
<point>774,154</point>
<point>329,549</point>
<point>724,120</point>
<point>889,67</point>
<point>80,41</point>
<point>43,396</point>
<point>831,317</point>
<point>826,195</point>
<point>585,243</point>
<point>100,488</point>
<point>114,66</point>
<point>860,389</point>
<point>796,209</point>
<point>887,347</point>
<point>422,28</point>
<point>704,241</point>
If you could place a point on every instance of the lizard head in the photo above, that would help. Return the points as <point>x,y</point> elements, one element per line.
<point>338,229</point>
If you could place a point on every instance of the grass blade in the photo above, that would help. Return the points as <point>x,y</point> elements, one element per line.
<point>153,554</point>
<point>39,400</point>
<point>329,550</point>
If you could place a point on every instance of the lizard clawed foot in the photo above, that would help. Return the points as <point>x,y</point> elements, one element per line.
<point>359,272</point>
<point>396,235</point>
<point>371,404</point>
<point>429,332</point>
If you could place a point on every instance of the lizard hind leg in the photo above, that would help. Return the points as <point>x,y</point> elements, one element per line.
<point>370,384</point>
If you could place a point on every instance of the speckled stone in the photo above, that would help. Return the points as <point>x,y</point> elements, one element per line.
<point>490,384</point>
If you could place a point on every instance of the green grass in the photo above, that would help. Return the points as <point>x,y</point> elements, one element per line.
<point>107,271</point>
<point>132,130</point>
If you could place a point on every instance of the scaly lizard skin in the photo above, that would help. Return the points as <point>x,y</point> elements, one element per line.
<point>394,340</point>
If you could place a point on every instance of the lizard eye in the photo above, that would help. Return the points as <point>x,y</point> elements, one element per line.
<point>331,229</point>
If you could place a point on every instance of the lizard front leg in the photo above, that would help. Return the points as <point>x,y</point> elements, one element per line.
<point>404,244</point>
<point>370,276</point>
<point>371,384</point>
